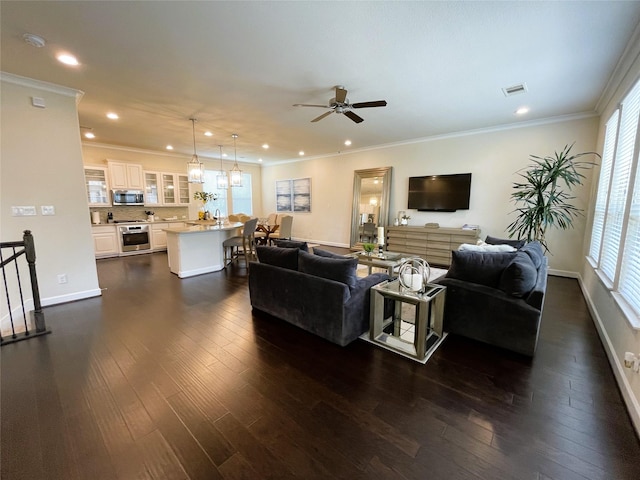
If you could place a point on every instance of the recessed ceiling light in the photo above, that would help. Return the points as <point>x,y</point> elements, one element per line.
<point>89,135</point>
<point>68,59</point>
<point>208,134</point>
<point>347,142</point>
<point>265,146</point>
<point>224,154</point>
<point>301,152</point>
<point>260,160</point>
<point>169,147</point>
<point>113,116</point>
<point>522,110</point>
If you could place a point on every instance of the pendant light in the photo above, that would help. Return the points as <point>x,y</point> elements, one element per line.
<point>222,180</point>
<point>235,174</point>
<point>195,169</point>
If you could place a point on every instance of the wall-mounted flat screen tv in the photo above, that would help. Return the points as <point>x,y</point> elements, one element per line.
<point>440,193</point>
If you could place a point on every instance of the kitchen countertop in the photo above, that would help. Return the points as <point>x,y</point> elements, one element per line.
<point>143,222</point>
<point>205,228</point>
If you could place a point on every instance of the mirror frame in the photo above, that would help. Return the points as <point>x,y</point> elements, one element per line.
<point>358,176</point>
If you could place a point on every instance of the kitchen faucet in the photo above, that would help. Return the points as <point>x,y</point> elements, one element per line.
<point>217,215</point>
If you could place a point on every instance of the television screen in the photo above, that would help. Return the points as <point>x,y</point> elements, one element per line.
<point>440,193</point>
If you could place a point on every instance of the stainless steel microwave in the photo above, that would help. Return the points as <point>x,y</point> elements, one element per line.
<point>128,197</point>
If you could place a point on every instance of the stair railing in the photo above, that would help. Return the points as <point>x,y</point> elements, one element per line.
<point>25,247</point>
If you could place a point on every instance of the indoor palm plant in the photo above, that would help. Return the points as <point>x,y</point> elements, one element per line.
<point>542,196</point>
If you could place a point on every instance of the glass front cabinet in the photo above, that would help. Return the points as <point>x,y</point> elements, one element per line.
<point>97,186</point>
<point>152,188</point>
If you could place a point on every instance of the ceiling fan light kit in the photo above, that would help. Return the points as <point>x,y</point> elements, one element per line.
<point>195,169</point>
<point>340,104</point>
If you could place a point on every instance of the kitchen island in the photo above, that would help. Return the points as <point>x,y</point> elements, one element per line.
<point>197,249</point>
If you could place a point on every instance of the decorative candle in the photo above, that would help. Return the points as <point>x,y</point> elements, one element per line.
<point>380,235</point>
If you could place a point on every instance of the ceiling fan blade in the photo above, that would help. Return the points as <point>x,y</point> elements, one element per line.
<point>377,103</point>
<point>322,116</point>
<point>308,105</point>
<point>353,116</point>
<point>341,94</point>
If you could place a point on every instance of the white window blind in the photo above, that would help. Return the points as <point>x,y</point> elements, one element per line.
<point>624,157</point>
<point>629,284</point>
<point>603,185</point>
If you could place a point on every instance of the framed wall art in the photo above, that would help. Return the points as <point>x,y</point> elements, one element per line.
<point>293,195</point>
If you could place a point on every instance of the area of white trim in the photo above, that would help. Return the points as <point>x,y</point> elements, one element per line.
<point>71,297</point>
<point>40,85</point>
<point>562,273</point>
<point>633,407</point>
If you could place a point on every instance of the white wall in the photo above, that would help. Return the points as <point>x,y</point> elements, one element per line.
<point>41,164</point>
<point>493,158</point>
<point>616,333</point>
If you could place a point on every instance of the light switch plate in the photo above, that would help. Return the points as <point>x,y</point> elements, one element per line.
<point>47,209</point>
<point>23,211</point>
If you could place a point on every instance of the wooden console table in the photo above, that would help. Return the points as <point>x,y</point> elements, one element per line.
<point>432,244</point>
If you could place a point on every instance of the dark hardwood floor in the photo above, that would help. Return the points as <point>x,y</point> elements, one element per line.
<point>163,378</point>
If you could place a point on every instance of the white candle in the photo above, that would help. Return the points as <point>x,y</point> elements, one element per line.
<point>380,235</point>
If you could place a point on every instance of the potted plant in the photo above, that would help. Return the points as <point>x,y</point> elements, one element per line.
<point>368,248</point>
<point>204,197</point>
<point>404,220</point>
<point>543,198</point>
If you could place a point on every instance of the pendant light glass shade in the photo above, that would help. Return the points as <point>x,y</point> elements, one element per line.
<point>235,174</point>
<point>222,181</point>
<point>195,169</point>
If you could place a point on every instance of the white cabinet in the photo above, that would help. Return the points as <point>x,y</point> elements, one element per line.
<point>126,176</point>
<point>152,189</point>
<point>97,186</point>
<point>159,236</point>
<point>105,241</point>
<point>175,189</point>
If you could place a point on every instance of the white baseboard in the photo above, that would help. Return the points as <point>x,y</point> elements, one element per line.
<point>630,400</point>
<point>562,273</point>
<point>70,297</point>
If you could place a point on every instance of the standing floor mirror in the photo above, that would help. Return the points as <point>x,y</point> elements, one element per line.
<point>371,194</point>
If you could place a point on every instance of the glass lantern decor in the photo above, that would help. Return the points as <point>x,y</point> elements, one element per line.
<point>413,274</point>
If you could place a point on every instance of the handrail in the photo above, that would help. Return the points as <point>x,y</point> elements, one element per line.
<point>29,252</point>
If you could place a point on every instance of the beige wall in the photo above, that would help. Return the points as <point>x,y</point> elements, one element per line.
<point>493,158</point>
<point>617,334</point>
<point>41,164</point>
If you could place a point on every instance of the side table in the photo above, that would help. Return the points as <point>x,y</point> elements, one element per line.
<point>416,336</point>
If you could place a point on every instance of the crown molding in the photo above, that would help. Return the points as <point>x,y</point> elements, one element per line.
<point>40,85</point>
<point>445,136</point>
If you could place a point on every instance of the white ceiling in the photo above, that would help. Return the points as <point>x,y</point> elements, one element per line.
<point>238,67</point>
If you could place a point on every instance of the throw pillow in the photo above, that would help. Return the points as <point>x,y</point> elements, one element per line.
<point>483,268</point>
<point>292,244</point>
<point>520,276</point>
<point>504,241</point>
<point>326,253</point>
<point>280,257</point>
<point>534,250</point>
<point>485,247</point>
<point>341,270</point>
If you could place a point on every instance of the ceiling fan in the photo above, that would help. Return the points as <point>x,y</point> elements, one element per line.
<point>340,104</point>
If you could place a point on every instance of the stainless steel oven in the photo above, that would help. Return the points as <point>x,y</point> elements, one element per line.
<point>134,238</point>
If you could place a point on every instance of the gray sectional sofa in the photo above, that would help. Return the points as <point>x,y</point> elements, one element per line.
<point>317,292</point>
<point>497,297</point>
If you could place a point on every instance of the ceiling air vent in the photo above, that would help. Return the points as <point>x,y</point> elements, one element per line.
<point>514,89</point>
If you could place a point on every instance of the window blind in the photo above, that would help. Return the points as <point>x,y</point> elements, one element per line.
<point>629,284</point>
<point>624,156</point>
<point>603,186</point>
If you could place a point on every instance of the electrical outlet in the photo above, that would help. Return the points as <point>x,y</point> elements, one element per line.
<point>62,278</point>
<point>47,209</point>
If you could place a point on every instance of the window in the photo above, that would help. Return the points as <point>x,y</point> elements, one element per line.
<point>210,185</point>
<point>241,201</point>
<point>615,238</point>
<point>603,187</point>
